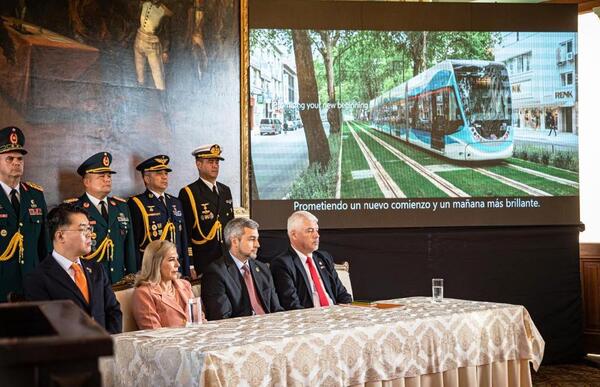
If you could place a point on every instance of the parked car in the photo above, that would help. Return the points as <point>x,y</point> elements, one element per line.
<point>299,124</point>
<point>270,126</point>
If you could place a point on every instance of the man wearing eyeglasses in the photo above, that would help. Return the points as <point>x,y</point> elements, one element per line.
<point>64,275</point>
<point>304,276</point>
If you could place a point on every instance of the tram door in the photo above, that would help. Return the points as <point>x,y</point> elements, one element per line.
<point>439,105</point>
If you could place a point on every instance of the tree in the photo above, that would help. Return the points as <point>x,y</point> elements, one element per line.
<point>316,140</point>
<point>326,46</point>
<point>417,46</point>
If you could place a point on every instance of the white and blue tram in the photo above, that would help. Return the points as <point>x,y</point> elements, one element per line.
<point>460,109</point>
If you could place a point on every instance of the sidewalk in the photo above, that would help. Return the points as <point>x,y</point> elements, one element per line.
<point>569,140</point>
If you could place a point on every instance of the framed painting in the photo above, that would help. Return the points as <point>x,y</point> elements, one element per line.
<point>134,78</point>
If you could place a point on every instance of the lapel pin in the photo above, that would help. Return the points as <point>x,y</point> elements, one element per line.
<point>257,269</point>
<point>89,270</point>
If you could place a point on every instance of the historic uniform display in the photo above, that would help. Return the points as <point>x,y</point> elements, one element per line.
<point>156,214</point>
<point>207,207</point>
<point>23,236</point>
<point>112,238</point>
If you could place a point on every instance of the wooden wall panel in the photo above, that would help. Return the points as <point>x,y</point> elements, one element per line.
<point>590,287</point>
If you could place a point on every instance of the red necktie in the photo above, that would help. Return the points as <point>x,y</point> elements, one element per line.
<point>258,309</point>
<point>317,281</point>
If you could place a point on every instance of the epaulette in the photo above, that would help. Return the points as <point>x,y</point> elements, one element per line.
<point>72,200</point>
<point>35,186</point>
<point>119,199</point>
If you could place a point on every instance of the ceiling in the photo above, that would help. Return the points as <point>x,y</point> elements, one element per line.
<point>583,5</point>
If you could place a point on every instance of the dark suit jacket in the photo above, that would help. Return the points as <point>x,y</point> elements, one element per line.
<point>209,208</point>
<point>158,216</point>
<point>49,281</point>
<point>291,280</point>
<point>224,292</point>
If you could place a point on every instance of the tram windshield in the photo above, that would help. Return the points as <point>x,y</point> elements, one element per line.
<point>484,91</point>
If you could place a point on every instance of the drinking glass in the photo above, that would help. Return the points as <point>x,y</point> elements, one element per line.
<point>437,289</point>
<point>194,311</point>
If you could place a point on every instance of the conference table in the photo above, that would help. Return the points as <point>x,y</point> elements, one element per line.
<point>407,342</point>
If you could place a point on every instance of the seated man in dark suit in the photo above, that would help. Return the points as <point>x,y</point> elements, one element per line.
<point>304,276</point>
<point>63,275</point>
<point>237,284</point>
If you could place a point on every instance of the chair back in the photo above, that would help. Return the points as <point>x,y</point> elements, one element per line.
<point>124,293</point>
<point>125,298</point>
<point>343,271</point>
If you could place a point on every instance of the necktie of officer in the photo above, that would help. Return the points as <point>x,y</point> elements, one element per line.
<point>14,199</point>
<point>161,198</point>
<point>80,281</point>
<point>256,306</point>
<point>103,210</point>
<point>317,281</point>
<point>214,189</point>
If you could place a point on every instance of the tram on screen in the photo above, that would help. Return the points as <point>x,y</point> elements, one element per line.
<point>460,109</point>
<point>377,125</point>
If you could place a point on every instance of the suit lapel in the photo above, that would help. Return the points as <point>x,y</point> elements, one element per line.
<point>168,301</point>
<point>58,274</point>
<point>300,269</point>
<point>93,211</point>
<point>233,270</point>
<point>205,192</point>
<point>113,211</point>
<point>87,271</point>
<point>5,202</point>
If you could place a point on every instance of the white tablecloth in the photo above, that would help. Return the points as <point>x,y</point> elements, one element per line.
<point>341,345</point>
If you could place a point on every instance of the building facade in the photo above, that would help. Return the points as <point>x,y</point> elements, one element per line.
<point>273,85</point>
<point>542,70</point>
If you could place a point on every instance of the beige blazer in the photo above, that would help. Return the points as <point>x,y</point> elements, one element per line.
<point>151,310</point>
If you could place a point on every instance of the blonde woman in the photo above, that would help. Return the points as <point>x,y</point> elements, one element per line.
<point>160,298</point>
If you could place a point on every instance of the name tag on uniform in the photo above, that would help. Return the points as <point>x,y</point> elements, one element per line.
<point>35,211</point>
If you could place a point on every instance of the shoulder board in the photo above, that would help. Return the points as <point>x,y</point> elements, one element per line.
<point>35,186</point>
<point>72,200</point>
<point>119,199</point>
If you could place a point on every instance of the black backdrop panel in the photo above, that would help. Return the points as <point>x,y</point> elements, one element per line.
<point>537,267</point>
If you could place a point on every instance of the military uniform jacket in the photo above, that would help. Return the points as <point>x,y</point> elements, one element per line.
<point>202,210</point>
<point>120,231</point>
<point>31,223</point>
<point>153,222</point>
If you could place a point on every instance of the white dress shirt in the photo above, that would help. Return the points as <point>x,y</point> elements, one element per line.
<point>7,190</point>
<point>66,263</point>
<point>239,263</point>
<point>211,185</point>
<point>96,202</point>
<point>315,295</point>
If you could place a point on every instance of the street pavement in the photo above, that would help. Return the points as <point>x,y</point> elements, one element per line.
<point>278,160</point>
<point>562,141</point>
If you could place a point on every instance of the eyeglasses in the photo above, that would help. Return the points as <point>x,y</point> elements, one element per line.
<point>83,229</point>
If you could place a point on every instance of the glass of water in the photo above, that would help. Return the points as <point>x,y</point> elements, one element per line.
<point>194,311</point>
<point>437,289</point>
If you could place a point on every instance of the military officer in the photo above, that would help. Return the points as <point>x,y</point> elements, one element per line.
<point>156,214</point>
<point>207,207</point>
<point>24,239</point>
<point>112,238</point>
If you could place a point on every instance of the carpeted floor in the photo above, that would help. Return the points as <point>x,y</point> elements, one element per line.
<point>585,374</point>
